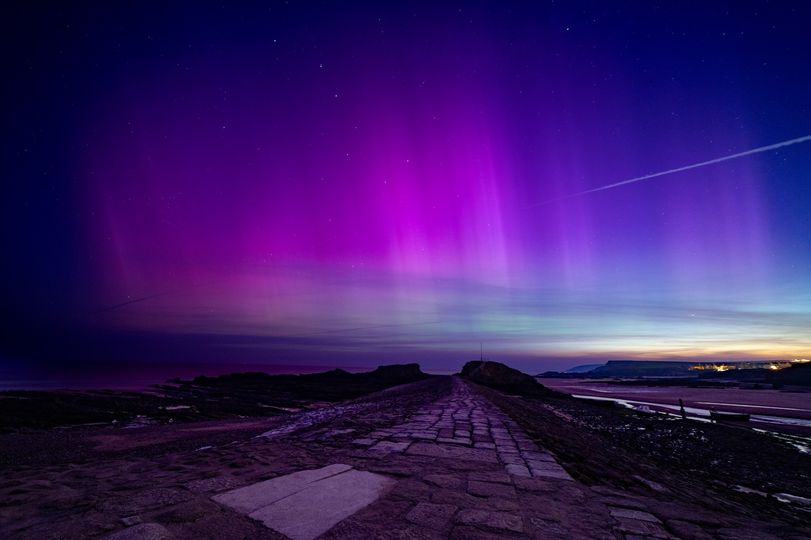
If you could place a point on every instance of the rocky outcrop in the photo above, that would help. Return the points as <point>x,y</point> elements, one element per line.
<point>225,396</point>
<point>397,372</point>
<point>504,378</point>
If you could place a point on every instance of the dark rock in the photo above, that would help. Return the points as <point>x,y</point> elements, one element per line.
<point>444,481</point>
<point>433,516</point>
<point>491,520</point>
<point>687,530</point>
<point>506,379</point>
<point>490,489</point>
<point>144,531</point>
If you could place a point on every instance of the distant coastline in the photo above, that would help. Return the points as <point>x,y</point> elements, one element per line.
<point>138,376</point>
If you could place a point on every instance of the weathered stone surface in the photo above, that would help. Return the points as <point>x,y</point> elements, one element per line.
<point>312,511</point>
<point>453,440</point>
<point>187,512</point>
<point>390,446</point>
<point>629,501</point>
<point>364,442</point>
<point>412,489</point>
<point>490,476</point>
<point>492,520</point>
<point>144,531</point>
<point>490,489</point>
<point>250,498</point>
<point>433,516</point>
<point>391,469</point>
<point>549,528</point>
<point>445,481</point>
<point>633,514</point>
<point>218,483</point>
<point>687,530</point>
<point>517,470</point>
<point>511,459</point>
<point>642,527</point>
<point>548,469</point>
<point>452,452</point>
<point>459,498</point>
<point>506,448</point>
<point>454,495</point>
<point>563,475</point>
<point>537,456</point>
<point>735,533</point>
<point>487,445</point>
<point>534,484</point>
<point>460,421</point>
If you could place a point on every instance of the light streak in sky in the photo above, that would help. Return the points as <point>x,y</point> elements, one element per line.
<point>758,150</point>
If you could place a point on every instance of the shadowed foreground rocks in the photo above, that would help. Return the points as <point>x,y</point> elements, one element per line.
<point>443,457</point>
<point>237,395</point>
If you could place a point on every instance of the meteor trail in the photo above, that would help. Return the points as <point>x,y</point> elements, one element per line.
<point>687,167</point>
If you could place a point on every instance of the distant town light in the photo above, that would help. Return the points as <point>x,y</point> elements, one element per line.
<point>774,365</point>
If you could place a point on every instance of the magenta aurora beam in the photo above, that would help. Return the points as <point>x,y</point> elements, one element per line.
<point>257,186</point>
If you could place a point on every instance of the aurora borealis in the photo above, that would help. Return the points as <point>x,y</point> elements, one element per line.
<point>331,184</point>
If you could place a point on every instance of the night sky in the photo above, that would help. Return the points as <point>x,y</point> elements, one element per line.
<point>354,184</point>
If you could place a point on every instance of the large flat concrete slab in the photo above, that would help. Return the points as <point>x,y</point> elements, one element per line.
<point>316,509</point>
<point>255,496</point>
<point>305,504</point>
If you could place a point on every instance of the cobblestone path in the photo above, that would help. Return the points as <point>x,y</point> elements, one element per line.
<point>463,420</point>
<point>434,459</point>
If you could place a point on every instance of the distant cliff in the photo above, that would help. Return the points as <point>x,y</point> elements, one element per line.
<point>333,385</point>
<point>644,368</point>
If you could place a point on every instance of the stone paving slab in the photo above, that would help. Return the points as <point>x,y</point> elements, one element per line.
<point>305,504</point>
<point>518,470</point>
<point>491,520</point>
<point>390,446</point>
<point>314,510</point>
<point>633,514</point>
<point>449,481</point>
<point>250,498</point>
<point>452,452</point>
